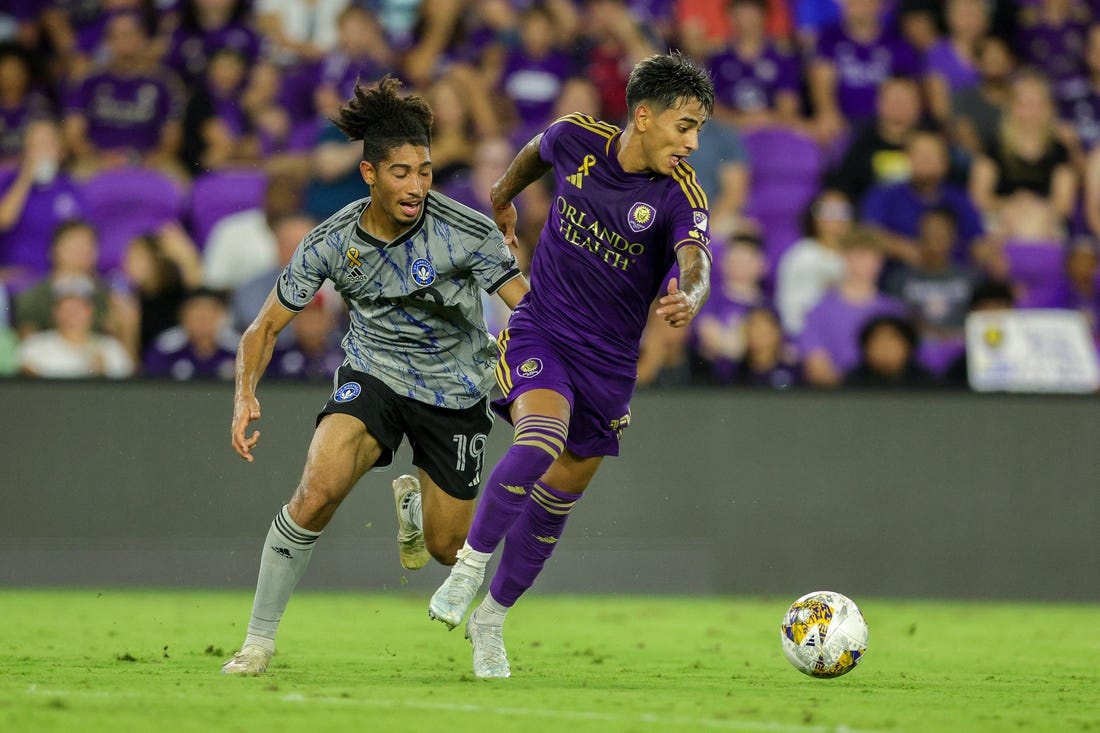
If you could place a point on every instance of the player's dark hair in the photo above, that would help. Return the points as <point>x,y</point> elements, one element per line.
<point>384,120</point>
<point>666,80</point>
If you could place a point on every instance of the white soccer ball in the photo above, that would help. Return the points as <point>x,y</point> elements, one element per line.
<point>824,634</point>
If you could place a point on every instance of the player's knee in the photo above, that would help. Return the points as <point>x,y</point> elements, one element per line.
<point>541,439</point>
<point>312,506</point>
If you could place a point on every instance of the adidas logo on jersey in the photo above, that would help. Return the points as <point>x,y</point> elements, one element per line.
<point>577,179</point>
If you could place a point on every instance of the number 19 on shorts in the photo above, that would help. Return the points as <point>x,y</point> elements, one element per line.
<point>470,447</point>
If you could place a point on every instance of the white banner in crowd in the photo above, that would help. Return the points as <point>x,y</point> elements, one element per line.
<point>1031,351</point>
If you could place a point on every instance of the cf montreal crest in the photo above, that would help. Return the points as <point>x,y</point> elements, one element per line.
<point>423,272</point>
<point>347,392</point>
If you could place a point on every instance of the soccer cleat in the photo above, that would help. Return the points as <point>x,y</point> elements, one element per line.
<point>410,539</point>
<point>487,639</point>
<point>250,661</point>
<point>450,602</point>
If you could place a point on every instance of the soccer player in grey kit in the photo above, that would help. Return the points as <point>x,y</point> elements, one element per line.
<point>626,207</point>
<point>411,265</point>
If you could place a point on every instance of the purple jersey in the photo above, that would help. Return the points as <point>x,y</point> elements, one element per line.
<point>27,243</point>
<point>190,51</point>
<point>533,84</point>
<point>833,326</point>
<point>126,111</point>
<point>862,67</point>
<point>609,240</point>
<point>750,84</point>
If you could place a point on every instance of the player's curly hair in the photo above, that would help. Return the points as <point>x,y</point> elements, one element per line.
<point>666,80</point>
<point>383,119</point>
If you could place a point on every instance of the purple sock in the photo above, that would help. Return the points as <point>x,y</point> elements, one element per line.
<point>530,541</point>
<point>537,442</point>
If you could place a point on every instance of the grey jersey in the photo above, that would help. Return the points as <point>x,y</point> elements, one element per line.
<point>417,321</point>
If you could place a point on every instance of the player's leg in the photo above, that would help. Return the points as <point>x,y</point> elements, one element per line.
<point>541,418</point>
<point>446,520</point>
<point>448,449</point>
<point>341,451</point>
<point>529,543</point>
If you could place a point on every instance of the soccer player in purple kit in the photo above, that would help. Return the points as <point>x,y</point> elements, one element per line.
<point>626,208</point>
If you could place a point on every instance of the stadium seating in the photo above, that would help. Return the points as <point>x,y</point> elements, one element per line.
<point>786,171</point>
<point>218,194</point>
<point>127,202</point>
<point>1037,270</point>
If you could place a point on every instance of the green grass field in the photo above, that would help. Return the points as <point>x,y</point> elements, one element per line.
<point>87,660</point>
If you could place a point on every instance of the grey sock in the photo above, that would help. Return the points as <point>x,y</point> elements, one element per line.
<point>283,562</point>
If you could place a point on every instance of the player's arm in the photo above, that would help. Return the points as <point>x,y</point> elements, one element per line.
<point>253,356</point>
<point>513,291</point>
<point>687,296</point>
<point>526,168</point>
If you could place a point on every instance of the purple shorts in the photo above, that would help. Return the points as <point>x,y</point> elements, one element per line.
<point>599,403</point>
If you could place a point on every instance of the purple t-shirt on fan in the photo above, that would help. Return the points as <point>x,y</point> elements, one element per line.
<point>533,84</point>
<point>1057,50</point>
<point>27,243</point>
<point>126,111</point>
<point>942,59</point>
<point>339,71</point>
<point>1084,114</point>
<point>750,84</point>
<point>833,326</point>
<point>862,67</point>
<point>898,207</point>
<point>730,312</point>
<point>190,51</point>
<point>181,362</point>
<point>609,240</point>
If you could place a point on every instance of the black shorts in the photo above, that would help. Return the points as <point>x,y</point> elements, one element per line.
<point>448,444</point>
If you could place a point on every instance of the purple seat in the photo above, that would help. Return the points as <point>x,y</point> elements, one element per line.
<point>1039,270</point>
<point>128,202</point>
<point>786,174</point>
<point>218,194</point>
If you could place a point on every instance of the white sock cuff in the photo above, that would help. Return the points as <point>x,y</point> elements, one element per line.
<point>290,531</point>
<point>474,560</point>
<point>260,641</point>
<point>493,606</point>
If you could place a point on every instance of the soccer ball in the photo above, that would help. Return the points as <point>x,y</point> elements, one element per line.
<point>824,634</point>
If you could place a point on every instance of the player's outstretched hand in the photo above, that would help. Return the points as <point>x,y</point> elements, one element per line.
<point>506,223</point>
<point>677,308</point>
<point>245,410</point>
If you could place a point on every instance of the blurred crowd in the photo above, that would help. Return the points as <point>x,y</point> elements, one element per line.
<point>876,169</point>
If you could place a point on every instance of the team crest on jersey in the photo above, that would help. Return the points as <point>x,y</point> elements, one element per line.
<point>641,216</point>
<point>347,392</point>
<point>700,218</point>
<point>423,272</point>
<point>529,368</point>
